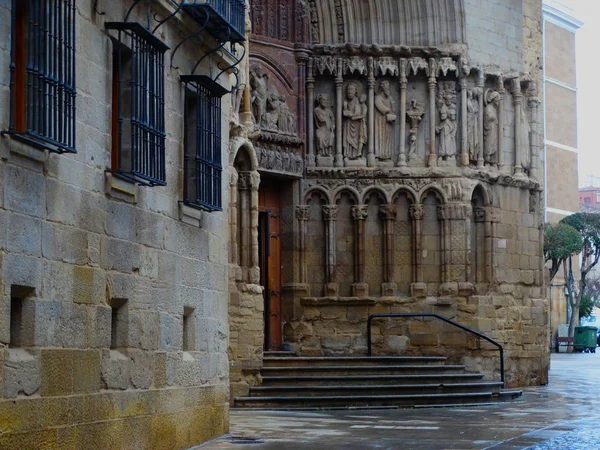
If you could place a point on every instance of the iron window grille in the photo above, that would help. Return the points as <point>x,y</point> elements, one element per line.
<point>224,19</point>
<point>138,146</point>
<point>42,74</point>
<point>202,142</point>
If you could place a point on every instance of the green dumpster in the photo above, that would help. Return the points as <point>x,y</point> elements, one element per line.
<point>585,339</point>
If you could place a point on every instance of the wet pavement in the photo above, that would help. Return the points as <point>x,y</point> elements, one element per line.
<point>565,415</point>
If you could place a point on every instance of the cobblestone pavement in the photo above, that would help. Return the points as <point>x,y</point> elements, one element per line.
<point>563,415</point>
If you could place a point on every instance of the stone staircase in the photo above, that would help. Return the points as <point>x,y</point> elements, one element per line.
<point>292,382</point>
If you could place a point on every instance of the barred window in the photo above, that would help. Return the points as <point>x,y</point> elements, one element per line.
<point>42,73</point>
<point>225,21</point>
<point>138,119</point>
<point>202,142</point>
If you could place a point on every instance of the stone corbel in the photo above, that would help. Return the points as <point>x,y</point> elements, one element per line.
<point>359,215</point>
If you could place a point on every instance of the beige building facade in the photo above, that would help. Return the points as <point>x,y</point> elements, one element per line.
<point>113,280</point>
<point>561,148</point>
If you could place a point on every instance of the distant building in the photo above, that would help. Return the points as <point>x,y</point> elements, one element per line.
<point>590,196</point>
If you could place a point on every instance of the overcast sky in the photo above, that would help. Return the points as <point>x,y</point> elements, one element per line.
<point>588,97</point>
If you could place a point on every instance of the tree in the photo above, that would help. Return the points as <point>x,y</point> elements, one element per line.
<point>560,242</point>
<point>589,226</point>
<point>587,306</point>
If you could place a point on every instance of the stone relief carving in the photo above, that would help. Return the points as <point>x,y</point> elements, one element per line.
<point>360,212</point>
<point>490,126</point>
<point>387,66</point>
<point>446,130</point>
<point>277,159</point>
<point>416,212</point>
<point>354,112</point>
<point>414,112</point>
<point>473,144</point>
<point>324,126</point>
<point>385,118</point>
<point>269,109</point>
<point>330,212</point>
<point>355,65</point>
<point>417,64</point>
<point>302,212</point>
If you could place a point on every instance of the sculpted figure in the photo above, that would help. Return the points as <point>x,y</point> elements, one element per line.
<point>414,112</point>
<point>354,111</point>
<point>412,144</point>
<point>384,122</point>
<point>272,115</point>
<point>490,126</point>
<point>473,143</point>
<point>259,81</point>
<point>287,120</point>
<point>447,130</point>
<point>324,126</point>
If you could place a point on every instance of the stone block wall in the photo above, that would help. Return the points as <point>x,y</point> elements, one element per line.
<point>113,297</point>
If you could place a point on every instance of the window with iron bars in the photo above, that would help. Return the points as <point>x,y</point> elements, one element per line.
<point>138,119</point>
<point>42,73</point>
<point>202,143</point>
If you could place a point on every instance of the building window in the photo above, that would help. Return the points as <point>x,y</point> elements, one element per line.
<point>597,196</point>
<point>587,200</point>
<point>42,73</point>
<point>202,142</point>
<point>138,118</point>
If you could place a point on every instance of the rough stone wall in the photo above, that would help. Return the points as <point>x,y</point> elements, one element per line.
<point>75,241</point>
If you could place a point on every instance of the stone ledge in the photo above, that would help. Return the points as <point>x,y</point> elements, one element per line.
<point>190,216</point>
<point>337,301</point>
<point>120,189</point>
<point>27,150</point>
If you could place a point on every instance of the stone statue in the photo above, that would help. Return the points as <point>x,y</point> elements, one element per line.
<point>473,143</point>
<point>272,116</point>
<point>259,81</point>
<point>447,130</point>
<point>324,126</point>
<point>286,161</point>
<point>354,111</point>
<point>414,112</point>
<point>384,122</point>
<point>287,120</point>
<point>490,126</point>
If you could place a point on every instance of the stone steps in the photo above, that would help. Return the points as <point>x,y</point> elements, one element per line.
<point>299,361</point>
<point>370,379</point>
<point>291,382</point>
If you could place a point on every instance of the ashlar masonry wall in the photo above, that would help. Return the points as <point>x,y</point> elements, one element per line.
<point>113,297</point>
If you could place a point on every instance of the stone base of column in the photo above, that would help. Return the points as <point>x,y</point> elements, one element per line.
<point>432,162</point>
<point>338,161</point>
<point>324,161</point>
<point>358,162</point>
<point>332,290</point>
<point>465,159</point>
<point>448,289</point>
<point>370,160</point>
<point>518,173</point>
<point>360,290</point>
<point>466,289</point>
<point>418,289</point>
<point>388,289</point>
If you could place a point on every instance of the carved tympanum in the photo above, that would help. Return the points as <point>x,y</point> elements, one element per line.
<point>269,108</point>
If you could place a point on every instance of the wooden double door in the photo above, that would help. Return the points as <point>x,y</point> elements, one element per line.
<point>269,240</point>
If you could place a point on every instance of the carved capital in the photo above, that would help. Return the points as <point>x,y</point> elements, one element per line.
<point>254,181</point>
<point>441,212</point>
<point>479,214</point>
<point>454,211</point>
<point>388,212</point>
<point>302,212</point>
<point>330,212</point>
<point>360,212</point>
<point>244,181</point>
<point>416,211</point>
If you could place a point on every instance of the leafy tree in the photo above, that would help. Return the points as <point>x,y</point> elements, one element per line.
<point>588,303</point>
<point>588,225</point>
<point>560,242</point>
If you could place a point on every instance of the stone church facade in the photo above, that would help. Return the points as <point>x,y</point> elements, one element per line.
<point>182,189</point>
<point>398,150</point>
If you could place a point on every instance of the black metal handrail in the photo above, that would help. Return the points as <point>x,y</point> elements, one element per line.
<point>458,325</point>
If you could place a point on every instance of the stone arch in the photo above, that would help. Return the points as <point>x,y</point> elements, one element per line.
<point>244,145</point>
<point>284,77</point>
<point>353,193</point>
<point>388,22</point>
<point>406,190</point>
<point>318,190</point>
<point>483,193</point>
<point>385,198</point>
<point>435,190</point>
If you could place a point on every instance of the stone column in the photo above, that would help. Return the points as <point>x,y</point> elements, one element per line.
<point>480,93</point>
<point>403,86</point>
<point>339,95</point>
<point>518,102</point>
<point>302,214</point>
<point>445,238</point>
<point>479,218</point>
<point>244,197</point>
<point>371,118</point>
<point>432,83</point>
<point>463,119</point>
<point>254,271</point>
<point>330,216</point>
<point>310,90</point>
<point>535,137</point>
<point>388,215</point>
<point>359,214</point>
<point>493,216</point>
<point>418,288</point>
<point>501,91</point>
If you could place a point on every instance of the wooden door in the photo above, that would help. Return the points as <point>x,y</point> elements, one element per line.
<point>269,205</point>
